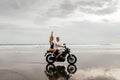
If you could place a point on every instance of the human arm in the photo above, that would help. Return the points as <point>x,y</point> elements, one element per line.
<point>58,45</point>
<point>51,38</point>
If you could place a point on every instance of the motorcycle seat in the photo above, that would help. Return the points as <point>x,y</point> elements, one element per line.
<point>48,51</point>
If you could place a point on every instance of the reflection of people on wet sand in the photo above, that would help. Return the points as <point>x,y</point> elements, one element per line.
<point>57,72</point>
<point>61,73</point>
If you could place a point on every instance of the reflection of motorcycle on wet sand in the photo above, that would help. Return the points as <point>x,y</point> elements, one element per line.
<point>60,72</point>
<point>71,58</point>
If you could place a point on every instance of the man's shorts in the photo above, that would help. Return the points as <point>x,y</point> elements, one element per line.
<point>56,52</point>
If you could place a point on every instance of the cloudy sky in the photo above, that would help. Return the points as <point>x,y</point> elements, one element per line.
<point>75,21</point>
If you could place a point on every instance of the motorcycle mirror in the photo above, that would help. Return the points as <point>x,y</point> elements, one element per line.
<point>64,44</point>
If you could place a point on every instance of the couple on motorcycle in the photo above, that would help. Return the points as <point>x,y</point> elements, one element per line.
<point>55,47</point>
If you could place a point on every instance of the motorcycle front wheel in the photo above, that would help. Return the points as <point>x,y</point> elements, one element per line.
<point>71,59</point>
<point>50,59</point>
<point>72,68</point>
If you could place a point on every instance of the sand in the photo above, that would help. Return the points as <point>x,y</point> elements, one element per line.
<point>28,63</point>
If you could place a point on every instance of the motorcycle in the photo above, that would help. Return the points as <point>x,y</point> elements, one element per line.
<point>51,58</point>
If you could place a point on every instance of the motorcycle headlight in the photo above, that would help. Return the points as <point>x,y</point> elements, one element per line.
<point>68,50</point>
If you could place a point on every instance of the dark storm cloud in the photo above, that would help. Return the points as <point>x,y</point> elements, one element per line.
<point>101,7</point>
<point>8,6</point>
<point>62,9</point>
<point>97,7</point>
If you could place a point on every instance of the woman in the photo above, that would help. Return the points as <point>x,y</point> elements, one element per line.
<point>51,43</point>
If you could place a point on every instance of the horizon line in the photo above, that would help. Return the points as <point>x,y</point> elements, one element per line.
<point>48,44</point>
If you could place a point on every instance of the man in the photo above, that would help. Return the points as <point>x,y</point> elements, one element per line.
<point>55,47</point>
<point>58,47</point>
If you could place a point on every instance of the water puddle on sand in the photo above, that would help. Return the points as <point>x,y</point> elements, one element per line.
<point>57,72</point>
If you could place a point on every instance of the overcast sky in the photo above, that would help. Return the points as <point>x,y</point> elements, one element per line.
<point>75,21</point>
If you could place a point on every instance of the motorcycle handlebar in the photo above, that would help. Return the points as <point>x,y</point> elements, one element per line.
<point>64,46</point>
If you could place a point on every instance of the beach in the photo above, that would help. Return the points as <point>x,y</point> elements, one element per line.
<point>27,62</point>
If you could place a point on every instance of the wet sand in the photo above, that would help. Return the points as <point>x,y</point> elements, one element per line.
<point>28,63</point>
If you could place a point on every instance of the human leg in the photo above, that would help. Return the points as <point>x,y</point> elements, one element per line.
<point>59,53</point>
<point>52,50</point>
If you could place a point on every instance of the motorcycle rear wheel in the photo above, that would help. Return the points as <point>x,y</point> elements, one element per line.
<point>50,59</point>
<point>50,68</point>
